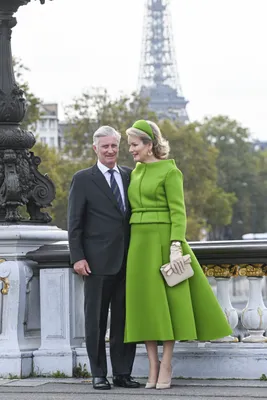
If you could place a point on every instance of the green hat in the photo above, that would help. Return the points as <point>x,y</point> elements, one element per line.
<point>144,126</point>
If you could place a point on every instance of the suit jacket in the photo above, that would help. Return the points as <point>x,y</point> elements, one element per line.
<point>98,231</point>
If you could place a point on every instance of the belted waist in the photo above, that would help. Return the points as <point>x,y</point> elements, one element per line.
<point>150,209</point>
<point>147,215</point>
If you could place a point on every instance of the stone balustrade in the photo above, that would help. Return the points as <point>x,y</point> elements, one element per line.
<point>42,321</point>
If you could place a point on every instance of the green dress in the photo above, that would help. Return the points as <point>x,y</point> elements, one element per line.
<point>155,311</point>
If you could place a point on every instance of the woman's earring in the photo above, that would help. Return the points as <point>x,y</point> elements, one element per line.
<point>149,153</point>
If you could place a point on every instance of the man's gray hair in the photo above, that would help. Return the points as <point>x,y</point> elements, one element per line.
<point>104,131</point>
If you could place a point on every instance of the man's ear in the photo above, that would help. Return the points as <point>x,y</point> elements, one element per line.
<point>94,147</point>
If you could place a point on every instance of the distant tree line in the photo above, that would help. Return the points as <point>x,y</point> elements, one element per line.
<point>225,178</point>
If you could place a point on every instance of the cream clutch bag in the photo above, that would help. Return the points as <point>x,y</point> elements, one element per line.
<point>175,278</point>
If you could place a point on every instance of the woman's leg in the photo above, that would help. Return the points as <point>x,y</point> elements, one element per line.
<point>165,371</point>
<point>152,352</point>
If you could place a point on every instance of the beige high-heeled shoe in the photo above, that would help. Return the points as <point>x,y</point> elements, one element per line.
<point>152,385</point>
<point>164,385</point>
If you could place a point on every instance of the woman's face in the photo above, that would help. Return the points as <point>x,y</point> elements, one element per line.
<point>138,149</point>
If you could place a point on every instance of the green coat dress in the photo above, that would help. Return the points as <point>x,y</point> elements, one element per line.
<point>155,311</point>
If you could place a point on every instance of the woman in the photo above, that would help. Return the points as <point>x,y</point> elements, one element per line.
<point>155,311</point>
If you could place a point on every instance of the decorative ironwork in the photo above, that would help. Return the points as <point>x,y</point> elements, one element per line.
<point>42,194</point>
<point>20,181</point>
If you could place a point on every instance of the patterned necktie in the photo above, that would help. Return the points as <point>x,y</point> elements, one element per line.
<point>115,189</point>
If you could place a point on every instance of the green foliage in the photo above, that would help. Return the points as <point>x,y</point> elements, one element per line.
<point>225,180</point>
<point>11,376</point>
<point>33,102</point>
<point>96,108</point>
<point>65,171</point>
<point>194,147</point>
<point>35,374</point>
<point>59,374</point>
<point>197,160</point>
<point>223,177</point>
<point>263,377</point>
<point>242,172</point>
<point>81,371</point>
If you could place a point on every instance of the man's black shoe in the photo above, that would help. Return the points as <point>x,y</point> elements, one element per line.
<point>100,383</point>
<point>125,381</point>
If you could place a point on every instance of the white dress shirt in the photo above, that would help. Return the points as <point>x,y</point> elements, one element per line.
<point>117,177</point>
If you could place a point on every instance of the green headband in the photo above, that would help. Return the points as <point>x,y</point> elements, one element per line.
<point>144,126</point>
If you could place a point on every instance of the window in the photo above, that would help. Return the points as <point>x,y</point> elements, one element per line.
<point>182,112</point>
<point>52,124</point>
<point>43,139</point>
<point>43,124</point>
<point>52,142</point>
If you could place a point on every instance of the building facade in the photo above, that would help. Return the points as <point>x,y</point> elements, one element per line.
<point>47,128</point>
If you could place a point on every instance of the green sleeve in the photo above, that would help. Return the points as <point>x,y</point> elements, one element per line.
<point>175,200</point>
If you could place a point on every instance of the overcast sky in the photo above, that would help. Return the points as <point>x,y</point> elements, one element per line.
<point>71,45</point>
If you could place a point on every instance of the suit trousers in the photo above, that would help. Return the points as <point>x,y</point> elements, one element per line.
<point>100,292</point>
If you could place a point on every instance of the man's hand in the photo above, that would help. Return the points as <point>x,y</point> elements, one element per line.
<point>82,268</point>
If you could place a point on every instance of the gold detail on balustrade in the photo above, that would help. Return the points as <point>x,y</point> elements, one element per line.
<point>5,281</point>
<point>6,285</point>
<point>256,270</point>
<point>220,271</point>
<point>231,270</point>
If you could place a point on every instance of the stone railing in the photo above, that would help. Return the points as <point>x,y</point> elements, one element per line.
<point>57,312</point>
<point>226,260</point>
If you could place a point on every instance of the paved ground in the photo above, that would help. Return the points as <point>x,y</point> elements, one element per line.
<point>78,389</point>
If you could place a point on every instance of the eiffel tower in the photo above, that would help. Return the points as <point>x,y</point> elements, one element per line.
<point>158,74</point>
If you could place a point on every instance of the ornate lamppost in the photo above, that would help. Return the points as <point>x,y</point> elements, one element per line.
<point>20,181</point>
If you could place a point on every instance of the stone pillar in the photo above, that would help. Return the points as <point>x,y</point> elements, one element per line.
<point>55,352</point>
<point>62,310</point>
<point>222,275</point>
<point>254,315</point>
<point>226,305</point>
<point>15,341</point>
<point>20,299</point>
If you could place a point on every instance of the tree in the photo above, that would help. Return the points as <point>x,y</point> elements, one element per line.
<point>190,148</point>
<point>207,204</point>
<point>65,170</point>
<point>258,193</point>
<point>237,172</point>
<point>95,108</point>
<point>33,102</point>
<point>219,213</point>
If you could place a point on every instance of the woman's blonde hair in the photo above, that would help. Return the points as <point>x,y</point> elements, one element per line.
<point>160,146</point>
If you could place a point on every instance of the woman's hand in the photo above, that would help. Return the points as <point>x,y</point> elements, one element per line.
<point>176,259</point>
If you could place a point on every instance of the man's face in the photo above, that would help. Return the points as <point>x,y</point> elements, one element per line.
<point>107,150</point>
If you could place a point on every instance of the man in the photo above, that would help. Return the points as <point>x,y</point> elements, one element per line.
<point>98,225</point>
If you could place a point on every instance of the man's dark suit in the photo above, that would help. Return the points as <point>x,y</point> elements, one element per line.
<point>99,233</point>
